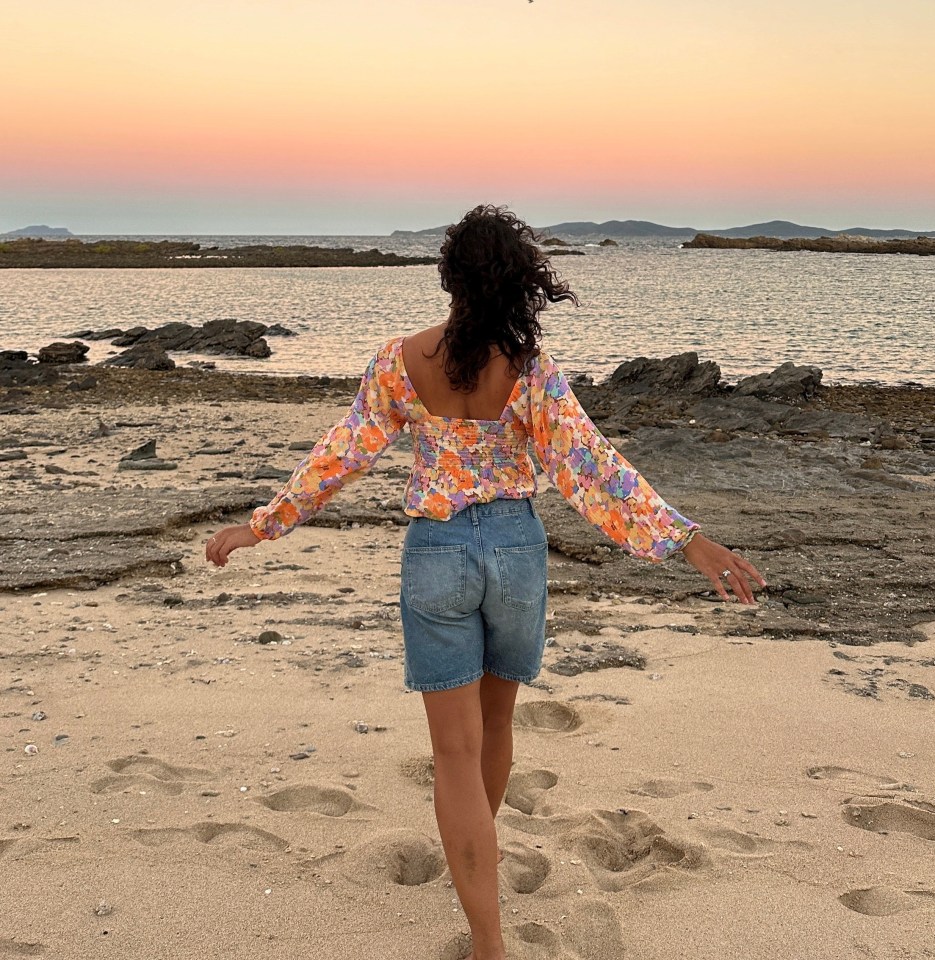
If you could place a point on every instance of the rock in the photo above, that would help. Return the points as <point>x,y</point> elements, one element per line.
<point>6,455</point>
<point>894,443</point>
<point>13,357</point>
<point>786,382</point>
<point>270,473</point>
<point>154,464</point>
<point>269,636</point>
<point>607,242</point>
<point>259,349</point>
<point>228,336</point>
<point>84,537</point>
<point>554,242</point>
<point>85,383</point>
<point>278,330</point>
<point>95,334</point>
<point>142,356</point>
<point>60,352</point>
<point>146,451</point>
<point>14,371</point>
<point>681,374</point>
<point>129,337</point>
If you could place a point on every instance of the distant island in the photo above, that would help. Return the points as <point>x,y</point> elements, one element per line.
<point>44,253</point>
<point>783,229</point>
<point>38,230</point>
<point>919,245</point>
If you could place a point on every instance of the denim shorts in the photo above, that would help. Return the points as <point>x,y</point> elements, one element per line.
<point>473,595</point>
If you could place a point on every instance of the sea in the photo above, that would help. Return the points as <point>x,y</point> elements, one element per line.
<point>859,317</point>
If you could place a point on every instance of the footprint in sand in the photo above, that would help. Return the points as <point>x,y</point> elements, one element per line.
<point>666,789</point>
<point>525,869</point>
<point>626,848</point>
<point>915,817</point>
<point>885,901</point>
<point>548,715</point>
<point>857,778</point>
<point>524,791</point>
<point>328,801</point>
<point>24,846</point>
<point>143,772</point>
<point>739,844</point>
<point>18,948</point>
<point>403,857</point>
<point>590,930</point>
<point>228,835</point>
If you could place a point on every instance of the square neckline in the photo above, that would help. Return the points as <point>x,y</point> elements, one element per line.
<point>434,416</point>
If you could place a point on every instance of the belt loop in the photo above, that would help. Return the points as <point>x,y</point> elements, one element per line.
<point>474,518</point>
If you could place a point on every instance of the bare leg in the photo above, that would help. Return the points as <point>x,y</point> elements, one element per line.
<point>497,699</point>
<point>462,807</point>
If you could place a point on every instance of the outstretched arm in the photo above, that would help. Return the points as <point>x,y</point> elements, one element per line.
<point>610,493</point>
<point>343,454</point>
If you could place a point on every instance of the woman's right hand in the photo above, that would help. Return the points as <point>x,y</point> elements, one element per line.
<point>717,562</point>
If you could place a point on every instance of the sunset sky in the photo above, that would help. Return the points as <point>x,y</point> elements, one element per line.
<point>362,116</point>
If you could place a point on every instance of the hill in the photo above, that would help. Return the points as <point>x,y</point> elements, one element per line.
<point>39,230</point>
<point>783,229</point>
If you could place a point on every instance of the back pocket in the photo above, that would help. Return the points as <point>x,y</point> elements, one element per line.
<point>523,572</point>
<point>434,577</point>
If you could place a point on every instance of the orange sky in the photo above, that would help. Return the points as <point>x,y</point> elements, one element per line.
<point>365,115</point>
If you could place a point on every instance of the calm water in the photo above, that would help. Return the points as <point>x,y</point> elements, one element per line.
<point>858,317</point>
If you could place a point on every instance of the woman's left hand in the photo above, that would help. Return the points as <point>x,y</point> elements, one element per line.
<point>717,562</point>
<point>219,547</point>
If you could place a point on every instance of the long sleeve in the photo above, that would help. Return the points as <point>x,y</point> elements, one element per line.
<point>346,451</point>
<point>593,476</point>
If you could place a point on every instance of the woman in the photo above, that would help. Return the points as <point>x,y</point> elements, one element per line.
<point>474,391</point>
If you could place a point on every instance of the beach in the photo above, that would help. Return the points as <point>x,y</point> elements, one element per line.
<point>226,763</point>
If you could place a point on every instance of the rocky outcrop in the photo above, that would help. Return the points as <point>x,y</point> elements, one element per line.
<point>16,369</point>
<point>278,330</point>
<point>84,538</point>
<point>30,252</point>
<point>681,374</point>
<point>607,242</point>
<point>60,352</point>
<point>143,356</point>
<point>95,334</point>
<point>786,382</point>
<point>228,336</point>
<point>843,243</point>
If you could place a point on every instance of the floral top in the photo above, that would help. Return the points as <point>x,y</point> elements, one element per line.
<point>458,461</point>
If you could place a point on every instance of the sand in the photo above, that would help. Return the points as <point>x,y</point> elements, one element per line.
<point>197,793</point>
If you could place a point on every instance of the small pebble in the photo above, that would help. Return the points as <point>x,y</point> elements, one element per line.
<point>103,909</point>
<point>361,727</point>
<point>30,749</point>
<point>38,715</point>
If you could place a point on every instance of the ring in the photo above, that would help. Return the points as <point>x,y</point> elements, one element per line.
<point>725,573</point>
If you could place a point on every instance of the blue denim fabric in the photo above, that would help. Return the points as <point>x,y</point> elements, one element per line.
<point>473,595</point>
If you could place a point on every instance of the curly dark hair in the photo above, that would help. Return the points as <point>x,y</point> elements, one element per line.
<point>499,280</point>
